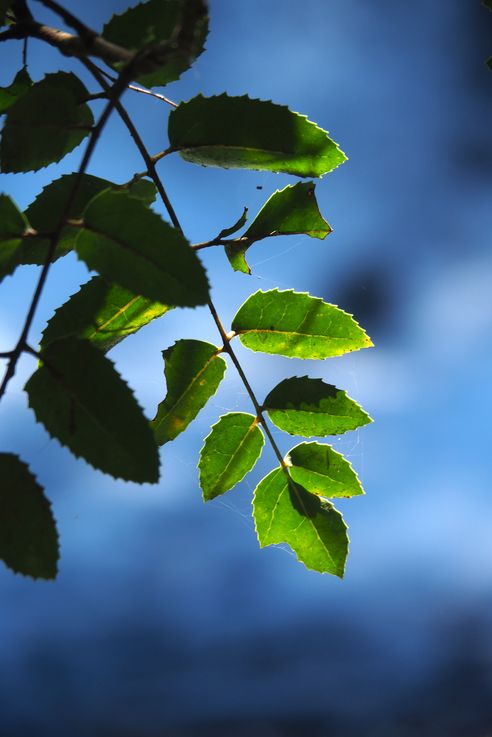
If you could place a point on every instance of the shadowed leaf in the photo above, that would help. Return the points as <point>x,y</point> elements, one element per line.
<point>13,225</point>
<point>8,95</point>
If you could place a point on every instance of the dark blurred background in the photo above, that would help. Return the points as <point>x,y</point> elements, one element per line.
<point>166,618</point>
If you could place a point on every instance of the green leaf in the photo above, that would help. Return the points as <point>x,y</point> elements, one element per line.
<point>289,211</point>
<point>181,26</point>
<point>4,6</point>
<point>193,371</point>
<point>323,471</point>
<point>46,210</point>
<point>284,512</point>
<point>230,452</point>
<point>103,313</point>
<point>83,402</point>
<point>304,406</point>
<point>296,325</point>
<point>45,124</point>
<point>13,225</point>
<point>28,536</point>
<point>8,95</point>
<point>234,228</point>
<point>239,133</point>
<point>131,245</point>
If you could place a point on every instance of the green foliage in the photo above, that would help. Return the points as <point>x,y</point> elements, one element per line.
<point>239,133</point>
<point>84,403</point>
<point>193,371</point>
<point>45,123</point>
<point>307,407</point>
<point>296,325</point>
<point>147,267</point>
<point>230,452</point>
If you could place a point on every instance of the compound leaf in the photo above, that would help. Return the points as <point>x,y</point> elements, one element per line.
<point>45,124</point>
<point>28,536</point>
<point>296,325</point>
<point>284,512</point>
<point>129,244</point>
<point>103,313</point>
<point>20,85</point>
<point>304,406</point>
<point>13,225</point>
<point>289,211</point>
<point>83,402</point>
<point>323,471</point>
<point>240,133</point>
<point>193,371</point>
<point>230,452</point>
<point>46,210</point>
<point>180,26</point>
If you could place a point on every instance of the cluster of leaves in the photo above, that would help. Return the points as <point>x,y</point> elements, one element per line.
<point>76,393</point>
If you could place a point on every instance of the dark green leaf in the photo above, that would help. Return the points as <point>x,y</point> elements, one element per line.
<point>28,537</point>
<point>323,471</point>
<point>230,452</point>
<point>296,325</point>
<point>193,371</point>
<point>4,6</point>
<point>284,512</point>
<point>12,227</point>
<point>103,313</point>
<point>236,132</point>
<point>8,95</point>
<point>234,228</point>
<point>181,26</point>
<point>129,244</point>
<point>48,207</point>
<point>289,211</point>
<point>304,406</point>
<point>83,402</point>
<point>45,124</point>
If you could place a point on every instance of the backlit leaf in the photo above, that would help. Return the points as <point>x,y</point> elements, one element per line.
<point>103,313</point>
<point>28,537</point>
<point>240,133</point>
<point>8,95</point>
<point>323,471</point>
<point>184,23</point>
<point>289,211</point>
<point>230,451</point>
<point>304,406</point>
<point>13,224</point>
<point>83,402</point>
<point>284,512</point>
<point>48,207</point>
<point>129,244</point>
<point>193,371</point>
<point>234,228</point>
<point>45,124</point>
<point>296,325</point>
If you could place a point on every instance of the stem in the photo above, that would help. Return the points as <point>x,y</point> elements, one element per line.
<point>172,214</point>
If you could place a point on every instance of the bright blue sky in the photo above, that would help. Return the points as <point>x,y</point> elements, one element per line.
<point>166,609</point>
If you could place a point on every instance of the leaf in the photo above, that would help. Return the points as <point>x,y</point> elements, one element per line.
<point>83,402</point>
<point>284,512</point>
<point>8,95</point>
<point>45,124</point>
<point>103,313</point>
<point>487,3</point>
<point>230,452</point>
<point>28,536</point>
<point>129,244</point>
<point>289,211</point>
<point>48,207</point>
<point>323,471</point>
<point>181,26</point>
<point>240,133</point>
<point>193,371</point>
<point>234,228</point>
<point>4,6</point>
<point>296,325</point>
<point>304,406</point>
<point>12,227</point>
